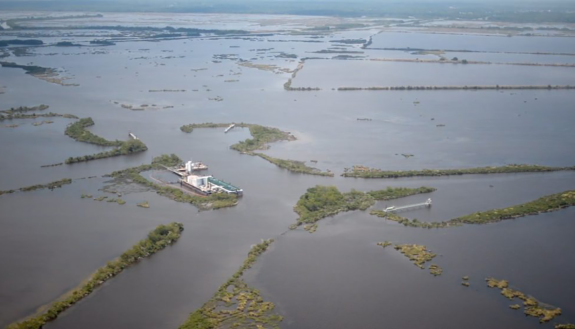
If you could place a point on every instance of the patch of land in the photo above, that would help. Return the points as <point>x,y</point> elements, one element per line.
<point>471,87</point>
<point>532,307</point>
<point>159,238</point>
<point>77,131</point>
<point>261,138</point>
<point>366,172</point>
<point>235,304</point>
<point>549,203</point>
<point>50,186</point>
<point>418,254</point>
<point>323,201</point>
<point>42,73</point>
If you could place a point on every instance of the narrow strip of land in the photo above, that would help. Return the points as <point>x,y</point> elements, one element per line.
<point>235,304</point>
<point>548,203</point>
<point>159,238</point>
<point>50,186</point>
<point>261,138</point>
<point>78,132</point>
<point>366,172</point>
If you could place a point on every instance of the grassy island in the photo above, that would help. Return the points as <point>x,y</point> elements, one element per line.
<point>50,186</point>
<point>261,137</point>
<point>128,147</point>
<point>532,306</point>
<point>399,192</point>
<point>21,113</point>
<point>159,238</point>
<point>78,131</point>
<point>544,204</point>
<point>322,201</point>
<point>235,304</point>
<point>365,172</point>
<point>418,254</point>
<point>549,203</point>
<point>213,201</point>
<point>411,222</point>
<point>30,69</point>
<point>24,109</point>
<point>294,166</point>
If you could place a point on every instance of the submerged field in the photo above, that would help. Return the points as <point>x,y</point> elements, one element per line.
<point>154,82</point>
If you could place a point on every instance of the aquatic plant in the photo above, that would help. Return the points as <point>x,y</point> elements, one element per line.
<point>418,254</point>
<point>235,304</point>
<point>159,238</point>
<point>532,306</point>
<point>144,204</point>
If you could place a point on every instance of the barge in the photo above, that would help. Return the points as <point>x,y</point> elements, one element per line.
<point>206,185</point>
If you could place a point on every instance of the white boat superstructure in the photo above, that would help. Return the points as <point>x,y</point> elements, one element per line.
<point>193,166</point>
<point>230,127</point>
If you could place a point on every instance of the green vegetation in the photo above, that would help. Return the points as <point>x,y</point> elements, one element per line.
<point>78,131</point>
<point>19,42</point>
<point>23,109</point>
<point>30,69</point>
<point>565,326</point>
<point>213,201</point>
<point>544,204</point>
<point>235,304</point>
<point>118,201</point>
<point>549,203</point>
<point>261,137</point>
<point>322,201</point>
<point>531,305</point>
<point>294,166</point>
<point>159,238</point>
<point>365,172</point>
<point>399,192</point>
<point>18,115</point>
<point>144,204</point>
<point>128,147</point>
<point>384,244</point>
<point>190,127</point>
<point>411,222</point>
<point>419,255</point>
<point>50,186</point>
